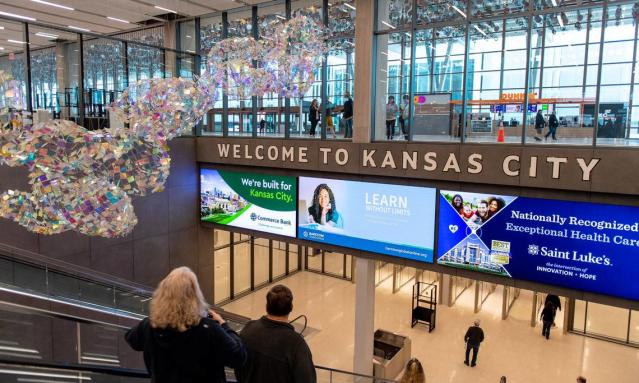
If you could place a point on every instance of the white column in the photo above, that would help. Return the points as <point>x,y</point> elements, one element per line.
<point>446,286</point>
<point>364,315</point>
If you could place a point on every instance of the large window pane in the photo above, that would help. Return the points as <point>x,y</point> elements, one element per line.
<point>613,124</point>
<point>607,321</point>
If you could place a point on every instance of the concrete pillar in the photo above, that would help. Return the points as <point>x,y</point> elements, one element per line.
<point>170,35</point>
<point>364,315</point>
<point>61,75</point>
<point>446,289</point>
<point>363,70</point>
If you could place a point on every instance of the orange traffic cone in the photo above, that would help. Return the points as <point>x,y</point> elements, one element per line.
<point>500,134</point>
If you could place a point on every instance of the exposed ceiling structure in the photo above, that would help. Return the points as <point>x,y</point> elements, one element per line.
<point>111,16</point>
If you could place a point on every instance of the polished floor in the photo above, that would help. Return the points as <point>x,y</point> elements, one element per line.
<point>512,347</point>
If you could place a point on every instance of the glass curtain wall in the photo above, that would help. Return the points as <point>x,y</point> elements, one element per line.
<point>13,54</point>
<point>608,322</point>
<point>463,65</point>
<point>244,263</point>
<point>211,31</point>
<point>271,114</point>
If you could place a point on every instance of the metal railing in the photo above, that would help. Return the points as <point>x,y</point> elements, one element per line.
<point>46,278</point>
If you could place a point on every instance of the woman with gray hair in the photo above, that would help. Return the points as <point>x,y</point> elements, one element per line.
<point>182,339</point>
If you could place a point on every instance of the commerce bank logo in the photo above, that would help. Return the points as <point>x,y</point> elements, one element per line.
<point>253,217</point>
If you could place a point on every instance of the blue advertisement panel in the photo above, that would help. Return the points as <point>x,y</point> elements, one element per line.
<point>578,245</point>
<point>388,219</point>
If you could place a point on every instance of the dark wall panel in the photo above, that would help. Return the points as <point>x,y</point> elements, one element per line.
<point>146,255</point>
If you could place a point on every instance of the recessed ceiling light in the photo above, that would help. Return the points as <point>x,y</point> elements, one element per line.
<point>48,35</point>
<point>119,20</point>
<point>280,17</point>
<point>189,36</point>
<point>79,29</point>
<point>53,4</point>
<point>350,6</point>
<point>17,16</point>
<point>1,27</point>
<point>165,9</point>
<point>16,41</point>
<point>1,48</point>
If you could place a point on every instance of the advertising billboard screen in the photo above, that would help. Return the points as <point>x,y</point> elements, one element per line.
<point>584,246</point>
<point>388,219</point>
<point>249,200</point>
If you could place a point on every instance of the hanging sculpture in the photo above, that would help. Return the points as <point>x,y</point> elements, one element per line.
<point>83,180</point>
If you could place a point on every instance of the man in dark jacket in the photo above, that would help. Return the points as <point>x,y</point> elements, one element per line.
<point>553,124</point>
<point>276,353</point>
<point>473,338</point>
<point>196,355</point>
<point>347,115</point>
<point>540,122</point>
<point>555,302</point>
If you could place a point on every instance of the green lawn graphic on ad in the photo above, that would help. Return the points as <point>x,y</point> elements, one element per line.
<point>224,218</point>
<point>253,201</point>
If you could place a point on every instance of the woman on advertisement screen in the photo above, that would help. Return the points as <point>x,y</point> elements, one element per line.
<point>323,210</point>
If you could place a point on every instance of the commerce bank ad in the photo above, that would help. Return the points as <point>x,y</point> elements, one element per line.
<point>249,200</point>
<point>584,246</point>
<point>388,219</point>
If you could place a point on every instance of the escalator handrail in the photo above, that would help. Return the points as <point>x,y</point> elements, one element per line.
<point>59,315</point>
<point>98,369</point>
<point>25,256</point>
<point>305,322</point>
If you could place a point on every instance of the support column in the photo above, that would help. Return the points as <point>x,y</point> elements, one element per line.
<point>446,289</point>
<point>61,76</point>
<point>364,316</point>
<point>364,62</point>
<point>170,41</point>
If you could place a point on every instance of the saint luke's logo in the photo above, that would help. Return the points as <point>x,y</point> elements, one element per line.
<point>253,216</point>
<point>533,249</point>
<point>453,228</point>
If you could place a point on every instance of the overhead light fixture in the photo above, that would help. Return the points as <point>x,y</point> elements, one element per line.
<point>559,19</point>
<point>118,20</point>
<point>16,41</point>
<point>350,6</point>
<point>280,17</point>
<point>79,29</point>
<point>458,10</point>
<point>388,25</point>
<point>17,16</point>
<point>480,31</point>
<point>1,48</point>
<point>165,9</point>
<point>47,35</point>
<point>1,27</point>
<point>53,4</point>
<point>554,3</point>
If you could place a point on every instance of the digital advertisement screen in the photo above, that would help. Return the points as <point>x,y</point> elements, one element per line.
<point>388,219</point>
<point>249,200</point>
<point>584,246</point>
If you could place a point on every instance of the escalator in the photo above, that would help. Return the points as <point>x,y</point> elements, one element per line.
<point>49,333</point>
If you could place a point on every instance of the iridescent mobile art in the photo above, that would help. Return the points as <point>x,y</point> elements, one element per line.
<point>84,180</point>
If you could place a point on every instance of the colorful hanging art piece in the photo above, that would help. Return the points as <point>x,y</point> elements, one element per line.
<point>84,180</point>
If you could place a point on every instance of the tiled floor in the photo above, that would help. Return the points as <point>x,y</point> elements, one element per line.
<point>512,348</point>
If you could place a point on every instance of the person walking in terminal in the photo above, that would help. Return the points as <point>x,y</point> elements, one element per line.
<point>347,115</point>
<point>553,124</point>
<point>276,353</point>
<point>581,379</point>
<point>502,379</point>
<point>547,316</point>
<point>404,115</point>
<point>414,372</point>
<point>556,304</point>
<point>540,123</point>
<point>180,344</point>
<point>473,338</point>
<point>314,116</point>
<point>391,116</point>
